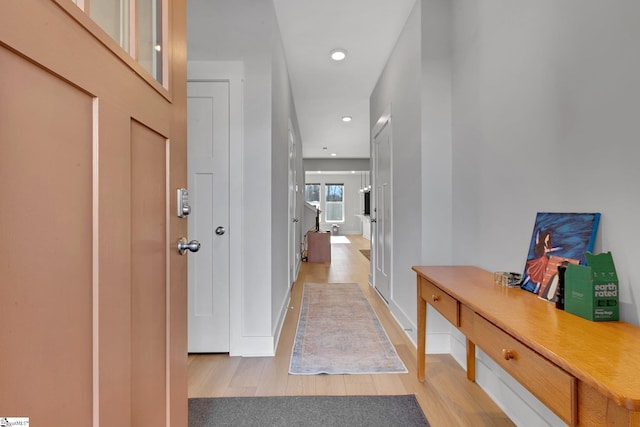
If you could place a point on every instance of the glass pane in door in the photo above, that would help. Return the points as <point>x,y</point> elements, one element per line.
<point>150,36</point>
<point>113,17</point>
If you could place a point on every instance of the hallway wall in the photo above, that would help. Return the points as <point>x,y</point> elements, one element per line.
<point>283,111</point>
<point>526,107</point>
<point>399,89</point>
<point>545,104</point>
<point>546,96</point>
<point>247,31</point>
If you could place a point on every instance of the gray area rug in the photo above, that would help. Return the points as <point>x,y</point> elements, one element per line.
<point>308,411</point>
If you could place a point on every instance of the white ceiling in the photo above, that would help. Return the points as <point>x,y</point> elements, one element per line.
<point>325,90</point>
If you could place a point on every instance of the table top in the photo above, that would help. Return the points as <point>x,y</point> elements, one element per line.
<point>604,355</point>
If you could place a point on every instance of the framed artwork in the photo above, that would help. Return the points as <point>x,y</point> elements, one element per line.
<point>563,235</point>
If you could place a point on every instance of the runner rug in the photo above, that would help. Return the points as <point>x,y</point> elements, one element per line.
<point>339,333</point>
<point>308,411</point>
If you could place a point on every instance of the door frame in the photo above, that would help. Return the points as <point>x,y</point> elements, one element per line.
<point>383,121</point>
<point>294,222</point>
<point>233,73</point>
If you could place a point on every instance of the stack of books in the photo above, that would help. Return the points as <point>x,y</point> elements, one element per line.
<point>507,279</point>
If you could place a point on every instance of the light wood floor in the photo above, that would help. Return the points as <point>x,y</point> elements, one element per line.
<point>446,397</point>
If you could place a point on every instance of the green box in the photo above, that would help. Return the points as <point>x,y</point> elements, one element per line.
<point>591,291</point>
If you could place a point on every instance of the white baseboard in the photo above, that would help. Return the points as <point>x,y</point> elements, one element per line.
<point>255,347</point>
<point>283,314</point>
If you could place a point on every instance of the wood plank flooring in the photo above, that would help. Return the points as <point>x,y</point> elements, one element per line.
<point>446,397</point>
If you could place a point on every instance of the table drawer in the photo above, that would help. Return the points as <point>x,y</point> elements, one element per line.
<point>440,300</point>
<point>552,385</point>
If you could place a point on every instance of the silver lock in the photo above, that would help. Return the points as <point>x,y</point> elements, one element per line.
<point>183,246</point>
<point>182,201</point>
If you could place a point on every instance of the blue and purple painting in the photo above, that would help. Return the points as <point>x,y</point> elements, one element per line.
<point>567,235</point>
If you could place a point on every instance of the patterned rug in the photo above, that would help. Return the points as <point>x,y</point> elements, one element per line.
<point>339,333</point>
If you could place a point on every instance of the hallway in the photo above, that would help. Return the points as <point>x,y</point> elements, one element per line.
<point>446,397</point>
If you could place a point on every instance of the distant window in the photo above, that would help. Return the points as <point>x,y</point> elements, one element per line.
<point>312,194</point>
<point>334,202</point>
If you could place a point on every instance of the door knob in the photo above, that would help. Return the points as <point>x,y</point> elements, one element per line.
<point>374,220</point>
<point>295,220</point>
<point>220,231</point>
<point>183,246</point>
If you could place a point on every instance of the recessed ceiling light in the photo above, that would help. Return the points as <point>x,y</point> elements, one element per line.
<point>338,54</point>
<point>346,118</point>
<point>333,154</point>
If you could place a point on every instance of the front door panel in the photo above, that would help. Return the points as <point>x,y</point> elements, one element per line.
<point>148,276</point>
<point>46,159</point>
<point>92,290</point>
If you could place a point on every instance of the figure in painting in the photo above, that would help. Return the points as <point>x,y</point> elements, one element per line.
<point>537,266</point>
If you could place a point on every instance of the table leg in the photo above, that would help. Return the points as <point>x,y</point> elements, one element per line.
<point>471,361</point>
<point>422,326</point>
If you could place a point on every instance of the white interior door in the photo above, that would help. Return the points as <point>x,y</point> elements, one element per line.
<point>381,216</point>
<point>294,223</point>
<point>208,172</point>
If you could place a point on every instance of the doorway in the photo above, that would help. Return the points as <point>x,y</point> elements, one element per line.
<point>381,216</point>
<point>208,180</point>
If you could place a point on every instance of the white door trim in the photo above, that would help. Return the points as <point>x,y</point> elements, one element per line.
<point>232,72</point>
<point>380,125</point>
<point>294,221</point>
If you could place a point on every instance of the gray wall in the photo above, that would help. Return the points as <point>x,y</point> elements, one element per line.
<point>397,87</point>
<point>546,97</point>
<point>283,111</point>
<point>527,107</point>
<point>437,161</point>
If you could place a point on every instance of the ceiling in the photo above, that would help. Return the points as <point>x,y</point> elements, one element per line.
<point>324,91</point>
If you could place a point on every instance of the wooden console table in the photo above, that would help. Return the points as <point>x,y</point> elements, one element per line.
<point>588,373</point>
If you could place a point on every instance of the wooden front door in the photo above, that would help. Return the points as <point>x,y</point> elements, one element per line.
<point>92,290</point>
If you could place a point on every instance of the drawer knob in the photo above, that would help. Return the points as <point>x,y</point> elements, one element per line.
<point>435,297</point>
<point>507,354</point>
